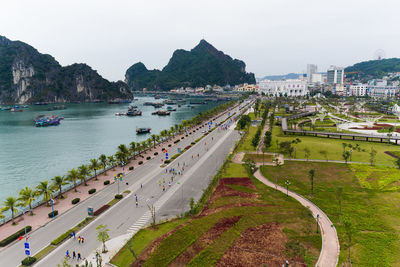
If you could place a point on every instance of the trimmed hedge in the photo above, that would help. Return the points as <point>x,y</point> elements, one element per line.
<point>118,196</point>
<point>167,161</point>
<point>155,153</point>
<point>140,162</point>
<point>169,145</point>
<point>28,261</point>
<point>182,137</point>
<point>177,141</point>
<point>148,158</point>
<point>75,200</point>
<point>106,182</point>
<point>101,210</point>
<point>131,168</point>
<point>67,234</point>
<point>51,214</point>
<point>92,191</point>
<point>14,236</point>
<point>193,143</point>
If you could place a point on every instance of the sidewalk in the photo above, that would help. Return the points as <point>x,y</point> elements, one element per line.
<point>330,243</point>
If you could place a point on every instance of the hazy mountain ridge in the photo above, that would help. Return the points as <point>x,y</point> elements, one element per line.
<point>28,76</point>
<point>202,65</point>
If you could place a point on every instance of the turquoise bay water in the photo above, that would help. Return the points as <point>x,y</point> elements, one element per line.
<point>31,154</point>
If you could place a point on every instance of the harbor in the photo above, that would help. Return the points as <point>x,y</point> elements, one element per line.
<point>32,154</point>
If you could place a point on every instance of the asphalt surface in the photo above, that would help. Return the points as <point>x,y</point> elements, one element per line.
<point>119,218</point>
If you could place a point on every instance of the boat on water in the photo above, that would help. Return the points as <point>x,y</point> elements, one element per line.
<point>143,130</point>
<point>171,109</point>
<point>16,109</point>
<point>43,121</point>
<point>60,107</point>
<point>134,112</point>
<point>161,113</point>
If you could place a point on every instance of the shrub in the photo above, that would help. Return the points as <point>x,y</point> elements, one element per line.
<point>91,191</point>
<point>51,214</point>
<point>131,168</point>
<point>106,182</point>
<point>101,210</point>
<point>169,145</point>
<point>155,153</point>
<point>118,196</point>
<point>28,261</point>
<point>177,141</point>
<point>140,162</point>
<point>75,200</point>
<point>193,143</point>
<point>167,161</point>
<point>148,158</point>
<point>61,238</point>
<point>182,137</point>
<point>14,236</point>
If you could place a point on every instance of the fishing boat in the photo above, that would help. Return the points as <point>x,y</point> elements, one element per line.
<point>171,109</point>
<point>16,109</point>
<point>43,121</point>
<point>161,113</point>
<point>143,130</point>
<point>134,112</point>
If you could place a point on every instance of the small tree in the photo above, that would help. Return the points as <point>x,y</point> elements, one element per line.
<point>346,155</point>
<point>307,153</point>
<point>192,206</point>
<point>348,229</point>
<point>372,155</point>
<point>10,204</point>
<point>83,173</point>
<point>102,235</point>
<point>94,166</point>
<point>103,161</point>
<point>294,249</point>
<point>339,192</point>
<point>398,163</point>
<point>311,174</point>
<point>152,210</point>
<point>344,147</point>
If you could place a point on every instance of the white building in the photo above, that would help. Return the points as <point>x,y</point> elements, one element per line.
<point>316,78</point>
<point>290,87</point>
<point>311,69</point>
<point>335,75</point>
<point>378,91</point>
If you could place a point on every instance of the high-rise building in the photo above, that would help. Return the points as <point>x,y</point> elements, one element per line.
<point>311,69</point>
<point>335,75</point>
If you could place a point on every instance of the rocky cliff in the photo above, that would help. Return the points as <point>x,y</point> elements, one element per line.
<point>27,76</point>
<point>202,65</point>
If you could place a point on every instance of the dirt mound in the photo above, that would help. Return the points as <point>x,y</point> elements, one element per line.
<point>263,244</point>
<point>207,211</point>
<point>208,238</point>
<point>223,190</point>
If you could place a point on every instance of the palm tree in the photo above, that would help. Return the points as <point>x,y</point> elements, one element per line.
<point>2,216</point>
<point>149,143</point>
<point>132,148</point>
<point>172,130</point>
<point>44,189</point>
<point>123,149</point>
<point>27,196</point>
<point>111,161</point>
<point>103,161</point>
<point>94,166</point>
<point>120,157</point>
<point>163,133</point>
<point>143,145</point>
<point>9,204</point>
<point>83,172</point>
<point>58,182</point>
<point>73,176</point>
<point>154,138</point>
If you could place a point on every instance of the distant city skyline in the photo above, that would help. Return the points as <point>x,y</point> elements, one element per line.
<point>272,38</point>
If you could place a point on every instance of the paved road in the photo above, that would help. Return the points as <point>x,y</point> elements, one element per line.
<point>330,243</point>
<point>124,214</point>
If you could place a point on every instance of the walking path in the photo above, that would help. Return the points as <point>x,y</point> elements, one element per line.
<point>330,243</point>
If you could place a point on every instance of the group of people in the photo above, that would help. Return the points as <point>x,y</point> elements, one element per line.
<point>75,255</point>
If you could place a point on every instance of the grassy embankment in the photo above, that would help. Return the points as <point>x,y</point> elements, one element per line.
<point>370,198</point>
<point>251,205</point>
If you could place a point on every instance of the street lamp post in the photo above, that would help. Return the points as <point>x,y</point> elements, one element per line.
<point>287,183</point>
<point>52,206</point>
<point>317,222</point>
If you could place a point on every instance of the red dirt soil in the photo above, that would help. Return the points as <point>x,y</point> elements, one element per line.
<point>205,240</point>
<point>263,244</point>
<point>224,191</point>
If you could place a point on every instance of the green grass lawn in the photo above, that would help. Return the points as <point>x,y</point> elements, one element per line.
<point>370,198</point>
<point>258,157</point>
<point>246,145</point>
<point>235,170</point>
<point>334,148</point>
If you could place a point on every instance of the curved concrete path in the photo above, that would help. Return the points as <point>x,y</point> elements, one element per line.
<point>330,243</point>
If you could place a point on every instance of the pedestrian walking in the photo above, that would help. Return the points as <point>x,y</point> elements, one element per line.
<point>169,183</point>
<point>178,164</point>
<point>141,186</point>
<point>159,183</point>
<point>163,188</point>
<point>137,204</point>
<point>163,180</point>
<point>74,234</point>
<point>166,170</point>
<point>83,239</point>
<point>192,156</point>
<point>79,239</point>
<point>73,255</point>
<point>198,155</point>
<point>67,254</point>
<point>79,256</point>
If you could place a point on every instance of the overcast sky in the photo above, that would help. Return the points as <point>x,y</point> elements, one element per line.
<point>270,36</point>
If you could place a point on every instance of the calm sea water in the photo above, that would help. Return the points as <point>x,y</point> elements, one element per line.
<point>31,154</point>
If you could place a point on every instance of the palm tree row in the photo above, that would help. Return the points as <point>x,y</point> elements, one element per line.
<point>27,195</point>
